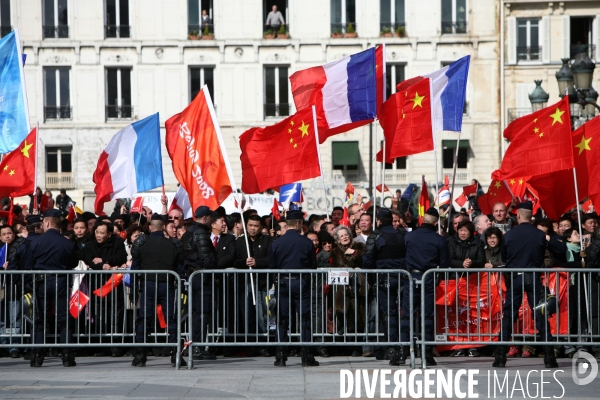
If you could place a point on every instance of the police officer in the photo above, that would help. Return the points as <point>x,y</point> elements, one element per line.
<point>51,252</point>
<point>199,255</point>
<point>425,249</point>
<point>154,253</point>
<point>297,252</point>
<point>523,247</point>
<point>385,250</point>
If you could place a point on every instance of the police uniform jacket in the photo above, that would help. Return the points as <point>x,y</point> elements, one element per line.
<point>385,249</point>
<point>155,253</point>
<point>426,249</point>
<point>524,247</point>
<point>292,251</point>
<point>51,252</point>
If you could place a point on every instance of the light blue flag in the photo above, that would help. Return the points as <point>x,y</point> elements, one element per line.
<point>14,114</point>
<point>3,253</point>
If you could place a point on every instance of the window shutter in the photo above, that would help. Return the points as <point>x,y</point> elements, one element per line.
<point>545,39</point>
<point>566,36</point>
<point>596,36</point>
<point>522,95</point>
<point>512,40</point>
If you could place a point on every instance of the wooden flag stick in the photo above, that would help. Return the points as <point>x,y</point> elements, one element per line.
<point>435,153</point>
<point>453,181</point>
<point>320,164</point>
<point>247,249</point>
<point>383,172</point>
<point>587,305</point>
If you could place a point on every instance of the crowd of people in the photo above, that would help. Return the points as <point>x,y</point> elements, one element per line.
<point>213,239</point>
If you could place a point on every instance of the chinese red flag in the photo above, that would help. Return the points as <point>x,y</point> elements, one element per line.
<point>406,121</point>
<point>17,169</point>
<point>382,188</point>
<point>279,154</point>
<point>197,150</point>
<point>497,193</point>
<point>539,143</point>
<point>424,203</point>
<point>461,200</point>
<point>345,218</point>
<point>469,189</point>
<point>71,216</point>
<point>275,210</point>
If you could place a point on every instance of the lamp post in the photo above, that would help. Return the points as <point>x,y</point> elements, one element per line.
<point>538,98</point>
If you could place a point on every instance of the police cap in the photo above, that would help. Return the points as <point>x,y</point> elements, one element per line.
<point>525,205</point>
<point>384,213</point>
<point>33,219</point>
<point>156,217</point>
<point>294,214</point>
<point>53,213</point>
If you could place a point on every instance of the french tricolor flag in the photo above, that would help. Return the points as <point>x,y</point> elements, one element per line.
<point>130,163</point>
<point>448,90</point>
<point>344,92</point>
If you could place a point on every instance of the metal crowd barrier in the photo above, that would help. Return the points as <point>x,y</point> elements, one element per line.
<point>469,307</point>
<point>244,308</point>
<point>94,309</point>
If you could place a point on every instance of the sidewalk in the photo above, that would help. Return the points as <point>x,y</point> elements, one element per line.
<point>242,378</point>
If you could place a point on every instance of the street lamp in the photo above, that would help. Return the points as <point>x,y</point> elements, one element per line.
<point>564,76</point>
<point>538,98</point>
<point>583,69</point>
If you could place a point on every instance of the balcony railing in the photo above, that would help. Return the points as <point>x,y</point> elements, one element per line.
<point>462,175</point>
<point>396,177</point>
<point>117,31</point>
<point>396,29</point>
<point>590,49</point>
<point>119,112</point>
<point>529,53</point>
<point>58,113</point>
<point>5,30</point>
<point>60,31</point>
<point>340,178</point>
<point>199,30</point>
<point>449,27</point>
<point>59,180</point>
<point>514,113</point>
<point>341,29</point>
<point>277,110</point>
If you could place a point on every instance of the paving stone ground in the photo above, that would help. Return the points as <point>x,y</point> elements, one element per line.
<point>247,378</point>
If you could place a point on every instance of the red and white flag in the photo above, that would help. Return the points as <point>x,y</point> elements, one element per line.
<point>137,205</point>
<point>197,150</point>
<point>181,201</point>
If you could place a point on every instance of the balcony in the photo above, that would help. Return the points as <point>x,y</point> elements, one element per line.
<point>398,177</point>
<point>449,27</point>
<point>514,113</point>
<point>116,113</point>
<point>343,30</point>
<point>59,180</point>
<point>206,32</point>
<point>5,30</point>
<point>340,178</point>
<point>53,32</point>
<point>53,113</point>
<point>117,31</point>
<point>590,49</point>
<point>277,110</point>
<point>462,175</point>
<point>392,29</point>
<point>529,53</point>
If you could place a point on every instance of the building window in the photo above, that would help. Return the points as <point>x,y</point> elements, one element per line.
<point>528,40</point>
<point>200,76</point>
<point>200,17</point>
<point>59,169</point>
<point>117,19</point>
<point>57,100</point>
<point>581,35</point>
<point>391,17</point>
<point>394,74</point>
<point>400,162</point>
<point>346,158</point>
<point>282,7</point>
<point>118,94</point>
<point>454,16</point>
<point>5,27</point>
<point>276,92</point>
<point>343,16</point>
<point>56,19</point>
<point>449,151</point>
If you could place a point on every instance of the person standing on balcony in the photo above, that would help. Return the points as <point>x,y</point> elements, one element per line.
<point>63,200</point>
<point>205,21</point>
<point>275,19</point>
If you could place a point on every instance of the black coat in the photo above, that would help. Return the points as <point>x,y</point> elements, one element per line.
<point>112,252</point>
<point>459,251</point>
<point>225,251</point>
<point>259,249</point>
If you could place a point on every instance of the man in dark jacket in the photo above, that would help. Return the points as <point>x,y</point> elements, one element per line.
<point>106,252</point>
<point>524,247</point>
<point>386,250</point>
<point>155,253</point>
<point>200,254</point>
<point>425,250</point>
<point>258,258</point>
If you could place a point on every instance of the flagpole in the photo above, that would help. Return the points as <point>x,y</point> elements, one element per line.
<point>587,306</point>
<point>374,168</point>
<point>247,247</point>
<point>453,180</point>
<point>383,172</point>
<point>434,148</point>
<point>314,112</point>
<point>37,135</point>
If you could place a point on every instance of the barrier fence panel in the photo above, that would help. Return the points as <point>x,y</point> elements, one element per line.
<point>507,306</point>
<point>111,310</point>
<point>325,307</point>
